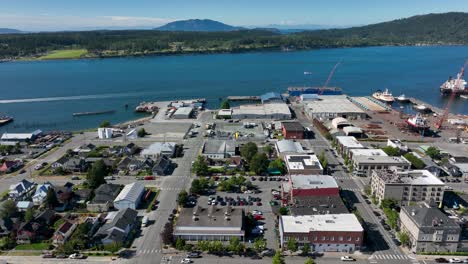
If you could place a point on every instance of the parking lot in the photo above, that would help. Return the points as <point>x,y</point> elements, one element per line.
<point>251,202</point>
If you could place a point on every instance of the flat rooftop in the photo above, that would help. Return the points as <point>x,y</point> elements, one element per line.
<point>412,177</point>
<point>302,162</point>
<point>303,205</point>
<point>330,222</point>
<point>332,104</point>
<point>381,160</point>
<point>262,109</point>
<point>201,218</point>
<point>292,126</point>
<point>306,182</point>
<point>349,142</point>
<point>367,152</point>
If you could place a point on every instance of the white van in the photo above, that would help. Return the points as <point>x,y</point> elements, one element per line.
<point>144,221</point>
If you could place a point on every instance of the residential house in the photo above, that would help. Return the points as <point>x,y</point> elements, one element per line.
<point>6,226</point>
<point>159,148</point>
<point>84,149</point>
<point>9,166</point>
<point>41,193</point>
<point>72,164</point>
<point>219,149</point>
<point>64,232</point>
<point>162,166</point>
<point>130,196</point>
<point>20,189</point>
<point>117,227</point>
<point>81,196</point>
<point>103,199</point>
<point>133,166</point>
<point>23,206</point>
<point>429,229</point>
<point>36,229</point>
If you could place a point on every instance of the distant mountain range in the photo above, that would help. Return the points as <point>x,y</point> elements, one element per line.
<point>9,31</point>
<point>197,25</point>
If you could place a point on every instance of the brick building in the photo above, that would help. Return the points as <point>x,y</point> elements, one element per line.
<point>309,185</point>
<point>324,233</point>
<point>292,130</point>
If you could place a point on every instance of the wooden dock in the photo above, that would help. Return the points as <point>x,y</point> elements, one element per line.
<point>244,98</point>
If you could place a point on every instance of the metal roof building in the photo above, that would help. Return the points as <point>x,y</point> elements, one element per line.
<point>331,106</point>
<point>273,110</point>
<point>271,97</point>
<point>288,146</point>
<point>130,196</point>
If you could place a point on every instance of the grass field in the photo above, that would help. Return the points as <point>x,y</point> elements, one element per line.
<point>35,246</point>
<point>64,54</point>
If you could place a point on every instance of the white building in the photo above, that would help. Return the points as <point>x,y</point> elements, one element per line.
<point>182,113</point>
<point>366,152</point>
<point>159,148</point>
<point>345,144</point>
<point>225,113</point>
<point>130,196</point>
<point>278,111</point>
<point>331,106</point>
<point>219,149</point>
<point>407,186</point>
<point>285,146</point>
<point>41,193</point>
<point>364,165</point>
<point>396,143</point>
<point>20,137</point>
<point>104,133</point>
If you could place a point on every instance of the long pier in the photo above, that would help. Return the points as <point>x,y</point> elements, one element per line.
<point>244,98</point>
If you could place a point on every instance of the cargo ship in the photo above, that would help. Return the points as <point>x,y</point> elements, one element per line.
<point>384,96</point>
<point>456,86</point>
<point>5,120</point>
<point>298,91</point>
<point>417,122</point>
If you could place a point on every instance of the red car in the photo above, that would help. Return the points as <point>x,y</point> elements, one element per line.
<point>258,217</point>
<point>147,178</point>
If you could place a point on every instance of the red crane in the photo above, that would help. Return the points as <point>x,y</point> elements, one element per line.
<point>444,116</point>
<point>329,78</point>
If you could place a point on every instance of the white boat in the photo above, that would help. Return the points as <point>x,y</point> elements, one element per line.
<point>418,122</point>
<point>420,107</point>
<point>384,96</point>
<point>402,98</point>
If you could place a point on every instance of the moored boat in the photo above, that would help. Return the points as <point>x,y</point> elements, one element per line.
<point>5,120</point>
<point>384,96</point>
<point>402,98</point>
<point>456,86</point>
<point>420,107</point>
<point>417,122</point>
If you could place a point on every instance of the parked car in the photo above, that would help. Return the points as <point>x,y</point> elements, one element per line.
<point>347,258</point>
<point>441,260</point>
<point>48,255</point>
<point>194,254</point>
<point>77,256</point>
<point>455,260</point>
<point>186,260</point>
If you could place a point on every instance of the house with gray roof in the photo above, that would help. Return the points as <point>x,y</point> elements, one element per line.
<point>429,229</point>
<point>219,149</point>
<point>104,197</point>
<point>117,227</point>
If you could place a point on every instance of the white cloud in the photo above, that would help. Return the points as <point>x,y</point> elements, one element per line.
<point>46,22</point>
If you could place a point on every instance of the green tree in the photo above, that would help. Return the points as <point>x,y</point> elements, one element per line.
<point>404,238</point>
<point>389,203</point>
<point>51,198</point>
<point>277,258</point>
<point>200,166</point>
<point>391,151</point>
<point>433,152</point>
<point>306,249</point>
<point>248,151</point>
<point>259,163</point>
<point>182,198</point>
<point>96,174</point>
<point>268,149</point>
<point>7,243</point>
<point>8,209</point>
<point>225,104</point>
<point>196,187</point>
<point>216,246</point>
<point>141,132</point>
<point>180,244</point>
<point>166,234</point>
<point>283,211</point>
<point>235,245</point>
<point>29,215</point>
<point>415,162</point>
<point>309,261</point>
<point>105,123</point>
<point>278,164</point>
<point>259,244</point>
<point>292,245</point>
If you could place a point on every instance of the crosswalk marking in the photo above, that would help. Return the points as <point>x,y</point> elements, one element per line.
<point>388,256</point>
<point>149,251</point>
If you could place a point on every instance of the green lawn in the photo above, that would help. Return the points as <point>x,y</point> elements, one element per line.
<point>35,246</point>
<point>64,54</point>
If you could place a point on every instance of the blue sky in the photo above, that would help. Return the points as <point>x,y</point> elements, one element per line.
<point>82,14</point>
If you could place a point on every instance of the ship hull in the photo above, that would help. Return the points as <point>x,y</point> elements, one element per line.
<point>447,92</point>
<point>415,127</point>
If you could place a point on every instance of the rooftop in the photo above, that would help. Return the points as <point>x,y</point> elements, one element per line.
<point>289,146</point>
<point>332,104</point>
<point>303,205</point>
<point>367,152</point>
<point>381,160</point>
<point>302,162</point>
<point>352,129</point>
<point>413,177</point>
<point>183,111</point>
<point>131,192</point>
<point>219,146</point>
<point>199,217</point>
<point>271,96</point>
<point>292,126</point>
<point>262,109</point>
<point>428,217</point>
<point>330,222</point>
<point>310,182</point>
<point>159,147</point>
<point>349,142</point>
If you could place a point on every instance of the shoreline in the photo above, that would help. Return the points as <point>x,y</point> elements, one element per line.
<point>214,52</point>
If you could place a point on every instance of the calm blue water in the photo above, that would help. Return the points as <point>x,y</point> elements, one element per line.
<point>96,85</point>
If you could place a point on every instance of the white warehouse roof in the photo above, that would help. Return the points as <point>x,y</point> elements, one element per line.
<point>330,223</point>
<point>289,146</point>
<point>367,152</point>
<point>131,192</point>
<point>349,142</point>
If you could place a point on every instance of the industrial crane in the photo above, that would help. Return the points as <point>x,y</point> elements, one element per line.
<point>444,116</point>
<point>329,77</point>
